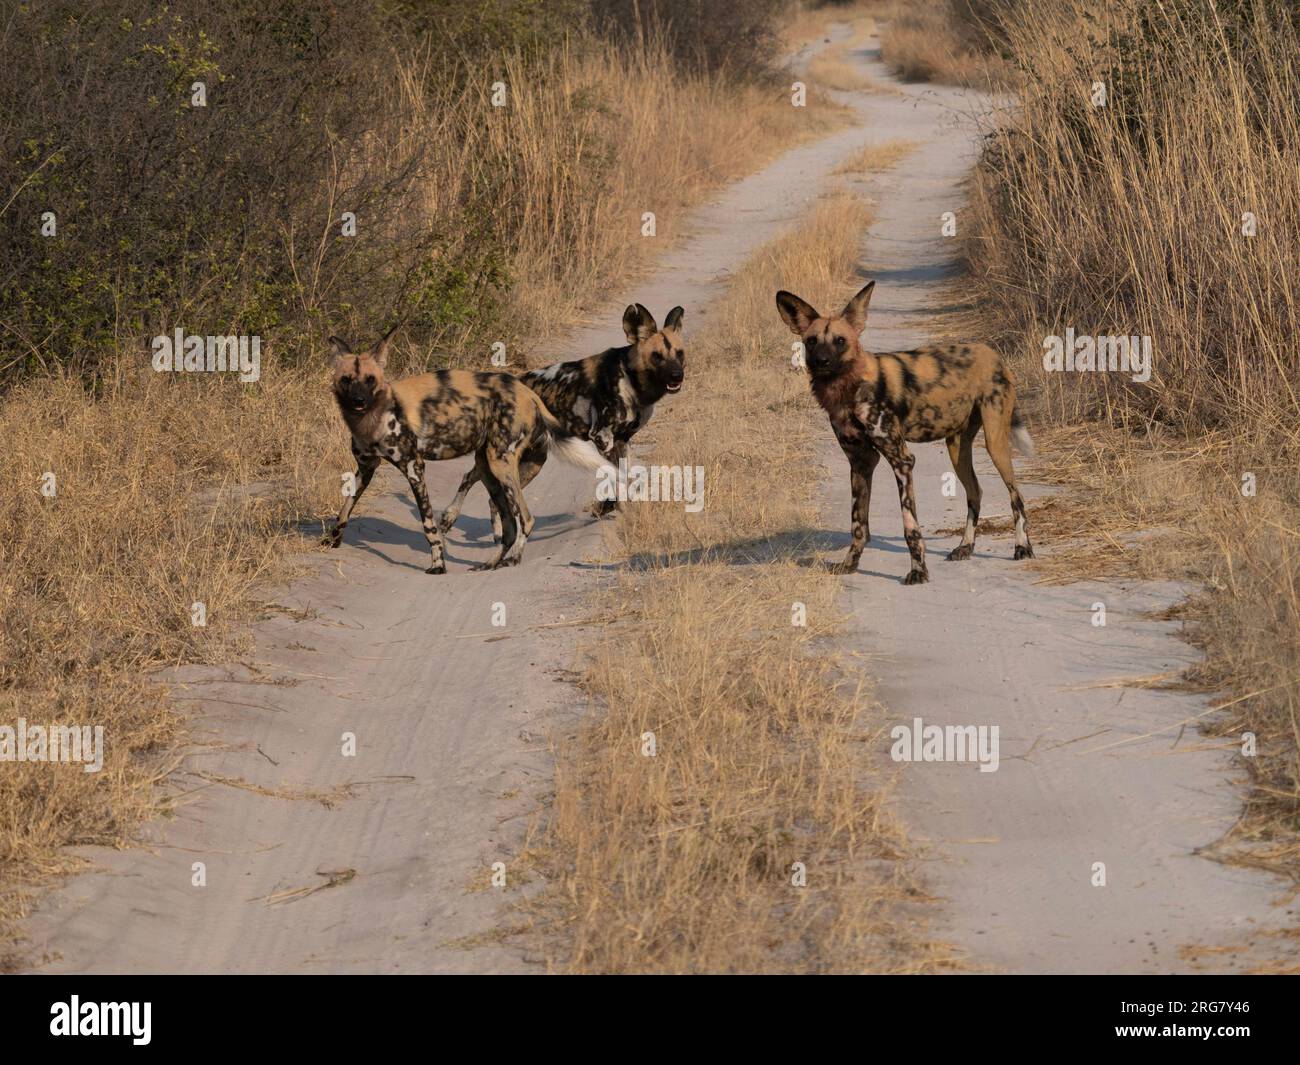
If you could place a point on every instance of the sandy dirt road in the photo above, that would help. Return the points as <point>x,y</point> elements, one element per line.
<point>380,862</point>
<point>451,714</point>
<point>1088,774</point>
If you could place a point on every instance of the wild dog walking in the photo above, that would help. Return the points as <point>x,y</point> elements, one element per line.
<point>605,398</point>
<point>444,415</point>
<point>879,403</point>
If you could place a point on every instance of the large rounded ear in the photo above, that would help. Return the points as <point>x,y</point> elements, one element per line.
<point>380,354</point>
<point>339,346</point>
<point>796,313</point>
<point>638,323</point>
<point>855,311</point>
<point>674,320</point>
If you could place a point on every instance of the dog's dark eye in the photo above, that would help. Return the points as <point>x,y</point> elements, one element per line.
<point>839,342</point>
<point>370,380</point>
<point>659,356</point>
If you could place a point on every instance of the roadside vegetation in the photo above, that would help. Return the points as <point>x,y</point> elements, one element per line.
<point>952,41</point>
<point>1171,211</point>
<point>128,211</point>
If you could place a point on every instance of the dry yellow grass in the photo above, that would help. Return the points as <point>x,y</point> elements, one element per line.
<point>173,491</point>
<point>98,581</point>
<point>1128,219</point>
<point>684,861</point>
<point>831,69</point>
<point>600,137</point>
<point>871,158</point>
<point>805,25</point>
<point>920,41</point>
<point>811,24</point>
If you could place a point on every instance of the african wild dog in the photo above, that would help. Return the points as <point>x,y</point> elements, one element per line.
<point>879,403</point>
<point>444,415</point>
<point>605,398</point>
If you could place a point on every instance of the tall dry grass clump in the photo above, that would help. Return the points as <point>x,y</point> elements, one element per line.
<point>956,42</point>
<point>1171,210</point>
<point>120,512</point>
<point>597,138</point>
<point>687,860</point>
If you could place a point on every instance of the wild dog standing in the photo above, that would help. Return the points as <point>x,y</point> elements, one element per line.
<point>605,398</point>
<point>879,403</point>
<point>444,415</point>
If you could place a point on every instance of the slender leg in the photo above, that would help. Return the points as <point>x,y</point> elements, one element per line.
<point>530,465</point>
<point>524,519</point>
<point>616,451</point>
<point>452,512</point>
<point>997,438</point>
<point>902,462</point>
<point>960,449</point>
<point>506,470</point>
<point>861,467</point>
<point>414,471</point>
<point>495,512</point>
<point>509,529</point>
<point>365,470</point>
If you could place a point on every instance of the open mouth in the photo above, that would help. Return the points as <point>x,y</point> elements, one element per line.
<point>676,386</point>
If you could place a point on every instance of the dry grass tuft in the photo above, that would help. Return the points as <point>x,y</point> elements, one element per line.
<point>831,69</point>
<point>97,582</point>
<point>1127,219</point>
<point>871,158</point>
<point>683,862</point>
<point>922,40</point>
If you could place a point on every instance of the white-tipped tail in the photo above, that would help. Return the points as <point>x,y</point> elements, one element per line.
<point>578,452</point>
<point>571,449</point>
<point>1021,439</point>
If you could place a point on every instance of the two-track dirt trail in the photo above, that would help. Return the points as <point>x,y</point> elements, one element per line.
<point>1090,772</point>
<point>381,861</point>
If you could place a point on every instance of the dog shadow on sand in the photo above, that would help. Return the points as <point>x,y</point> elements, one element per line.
<point>810,548</point>
<point>806,547</point>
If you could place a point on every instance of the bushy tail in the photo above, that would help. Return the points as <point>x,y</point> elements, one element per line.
<point>569,448</point>
<point>1020,435</point>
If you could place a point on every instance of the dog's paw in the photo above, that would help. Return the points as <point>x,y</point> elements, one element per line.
<point>332,539</point>
<point>440,568</point>
<point>960,552</point>
<point>1022,551</point>
<point>916,576</point>
<point>603,508</point>
<point>849,565</point>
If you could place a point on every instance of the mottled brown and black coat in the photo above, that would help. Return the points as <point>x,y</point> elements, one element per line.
<point>605,398</point>
<point>444,415</point>
<point>879,403</point>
